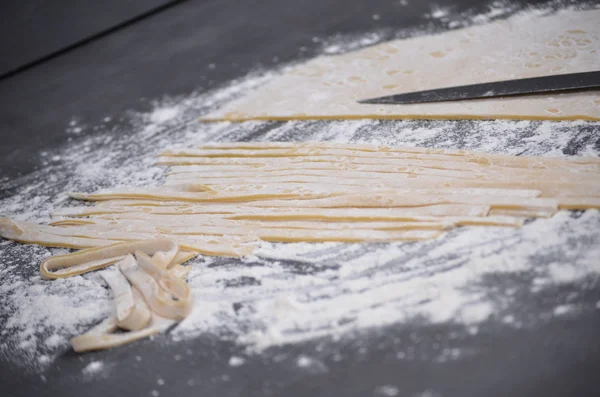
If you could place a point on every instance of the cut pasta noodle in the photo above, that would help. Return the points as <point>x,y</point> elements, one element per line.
<point>60,237</point>
<point>202,214</point>
<point>182,224</point>
<point>161,301</point>
<point>158,298</point>
<point>102,336</point>
<point>295,146</point>
<point>132,312</point>
<point>317,162</point>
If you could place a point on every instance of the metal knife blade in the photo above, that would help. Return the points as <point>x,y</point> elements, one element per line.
<point>534,85</point>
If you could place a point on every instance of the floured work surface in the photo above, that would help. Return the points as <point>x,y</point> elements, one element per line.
<point>524,46</point>
<point>518,274</point>
<point>221,199</point>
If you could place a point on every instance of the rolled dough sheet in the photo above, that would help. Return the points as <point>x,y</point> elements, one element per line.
<point>527,45</point>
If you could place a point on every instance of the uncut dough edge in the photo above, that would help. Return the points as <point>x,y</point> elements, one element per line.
<point>328,87</point>
<point>402,117</point>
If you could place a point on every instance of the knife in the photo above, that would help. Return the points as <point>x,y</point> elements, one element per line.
<point>535,85</point>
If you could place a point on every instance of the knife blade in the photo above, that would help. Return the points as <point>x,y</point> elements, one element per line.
<point>534,85</point>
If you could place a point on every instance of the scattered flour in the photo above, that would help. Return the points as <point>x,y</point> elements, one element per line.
<point>447,354</point>
<point>54,341</point>
<point>235,361</point>
<point>304,361</point>
<point>387,391</point>
<point>93,367</point>
<point>563,309</point>
<point>439,12</point>
<point>163,114</point>
<point>288,293</point>
<point>43,359</point>
<point>428,393</point>
<point>311,364</point>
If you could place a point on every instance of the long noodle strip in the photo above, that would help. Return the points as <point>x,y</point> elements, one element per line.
<point>391,199</point>
<point>530,193</point>
<point>406,214</point>
<point>370,200</point>
<point>376,148</point>
<point>28,233</point>
<point>240,193</point>
<point>322,184</point>
<point>56,237</point>
<point>167,225</point>
<point>274,234</point>
<point>345,171</point>
<point>191,196</point>
<point>344,161</point>
<point>328,187</point>
<point>348,236</point>
<point>331,216</point>
<point>195,214</point>
<point>101,257</point>
<point>487,159</point>
<point>181,224</point>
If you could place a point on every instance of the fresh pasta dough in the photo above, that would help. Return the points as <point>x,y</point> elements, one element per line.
<point>223,199</point>
<point>328,87</point>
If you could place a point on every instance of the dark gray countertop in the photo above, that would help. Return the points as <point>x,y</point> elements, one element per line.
<point>33,30</point>
<point>167,55</point>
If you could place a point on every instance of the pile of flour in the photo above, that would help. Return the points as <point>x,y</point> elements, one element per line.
<point>288,293</point>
